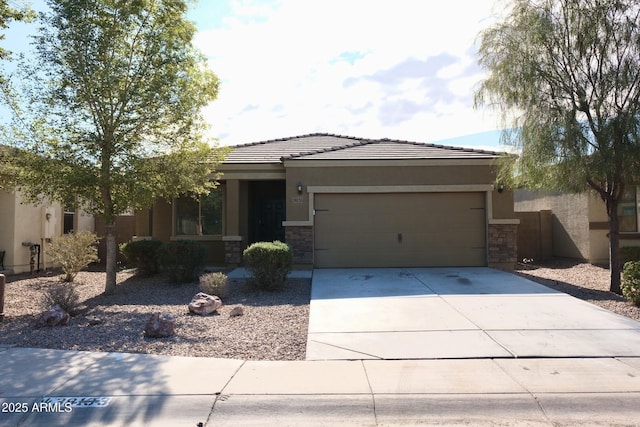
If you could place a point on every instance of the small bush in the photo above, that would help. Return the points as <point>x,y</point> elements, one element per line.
<point>631,281</point>
<point>214,284</point>
<point>182,259</point>
<point>629,253</point>
<point>269,262</point>
<point>143,255</point>
<point>64,295</point>
<point>74,251</point>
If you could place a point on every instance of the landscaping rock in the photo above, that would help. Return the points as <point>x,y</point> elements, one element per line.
<point>160,325</point>
<point>94,321</point>
<point>204,304</point>
<point>236,311</point>
<point>55,316</point>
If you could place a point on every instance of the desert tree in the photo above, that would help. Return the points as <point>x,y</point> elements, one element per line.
<point>10,12</point>
<point>565,75</point>
<point>111,112</point>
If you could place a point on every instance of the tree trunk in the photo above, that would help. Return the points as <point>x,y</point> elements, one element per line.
<point>110,237</point>
<point>614,246</point>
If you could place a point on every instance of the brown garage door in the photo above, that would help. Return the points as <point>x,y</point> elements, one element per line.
<point>400,230</point>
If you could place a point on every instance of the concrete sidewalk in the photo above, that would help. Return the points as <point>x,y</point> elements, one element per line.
<point>40,387</point>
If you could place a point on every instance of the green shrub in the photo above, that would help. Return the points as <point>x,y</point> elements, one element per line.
<point>182,259</point>
<point>73,252</point>
<point>143,255</point>
<point>64,295</point>
<point>631,281</point>
<point>214,284</point>
<point>629,253</point>
<point>269,262</point>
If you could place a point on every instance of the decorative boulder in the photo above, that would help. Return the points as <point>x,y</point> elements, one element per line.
<point>236,311</point>
<point>55,316</point>
<point>204,304</point>
<point>160,325</point>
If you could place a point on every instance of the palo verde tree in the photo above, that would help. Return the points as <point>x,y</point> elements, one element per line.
<point>565,74</point>
<point>113,118</point>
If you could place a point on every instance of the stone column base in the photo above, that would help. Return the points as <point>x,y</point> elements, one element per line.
<point>503,246</point>
<point>300,238</point>
<point>232,250</point>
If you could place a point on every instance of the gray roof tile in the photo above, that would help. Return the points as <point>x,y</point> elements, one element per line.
<point>322,146</point>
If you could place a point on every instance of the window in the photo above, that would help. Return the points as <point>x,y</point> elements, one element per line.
<point>69,219</point>
<point>199,216</point>
<point>627,211</point>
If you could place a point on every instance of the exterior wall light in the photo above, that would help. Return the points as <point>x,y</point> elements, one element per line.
<point>299,188</point>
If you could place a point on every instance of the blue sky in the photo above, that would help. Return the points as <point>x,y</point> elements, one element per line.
<point>402,69</point>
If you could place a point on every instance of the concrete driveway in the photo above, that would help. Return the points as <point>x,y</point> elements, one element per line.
<point>449,313</point>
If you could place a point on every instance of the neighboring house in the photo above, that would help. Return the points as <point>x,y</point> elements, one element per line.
<point>579,222</point>
<point>23,225</point>
<point>350,202</point>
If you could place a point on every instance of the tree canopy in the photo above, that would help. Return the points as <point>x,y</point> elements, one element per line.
<point>565,75</point>
<point>9,13</point>
<point>111,117</point>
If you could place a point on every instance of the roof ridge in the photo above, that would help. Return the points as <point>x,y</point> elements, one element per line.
<point>359,143</point>
<point>316,134</point>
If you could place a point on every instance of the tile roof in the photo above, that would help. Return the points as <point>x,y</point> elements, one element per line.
<point>323,146</point>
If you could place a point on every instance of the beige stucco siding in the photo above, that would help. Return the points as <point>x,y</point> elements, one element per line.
<point>458,174</point>
<point>28,223</point>
<point>7,231</point>
<point>162,220</point>
<point>502,204</point>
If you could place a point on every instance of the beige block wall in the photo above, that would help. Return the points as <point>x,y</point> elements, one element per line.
<point>570,224</point>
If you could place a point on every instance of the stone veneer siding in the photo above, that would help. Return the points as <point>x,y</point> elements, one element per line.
<point>300,238</point>
<point>233,252</point>
<point>503,245</point>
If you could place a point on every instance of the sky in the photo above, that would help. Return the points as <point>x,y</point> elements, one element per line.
<point>401,69</point>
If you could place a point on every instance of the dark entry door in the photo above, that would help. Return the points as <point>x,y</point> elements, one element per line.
<point>268,210</point>
<point>269,227</point>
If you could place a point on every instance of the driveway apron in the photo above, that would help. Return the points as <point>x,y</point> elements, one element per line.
<point>452,313</point>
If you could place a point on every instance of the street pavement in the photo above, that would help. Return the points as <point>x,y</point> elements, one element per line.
<point>41,387</point>
<point>564,378</point>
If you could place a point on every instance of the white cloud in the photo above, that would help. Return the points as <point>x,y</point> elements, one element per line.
<point>398,69</point>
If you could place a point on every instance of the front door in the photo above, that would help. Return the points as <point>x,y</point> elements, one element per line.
<point>268,210</point>
<point>269,219</point>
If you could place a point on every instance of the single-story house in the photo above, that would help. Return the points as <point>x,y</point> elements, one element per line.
<point>24,226</point>
<point>341,201</point>
<point>579,222</point>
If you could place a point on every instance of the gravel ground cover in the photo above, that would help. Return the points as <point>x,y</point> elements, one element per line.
<point>274,325</point>
<point>581,280</point>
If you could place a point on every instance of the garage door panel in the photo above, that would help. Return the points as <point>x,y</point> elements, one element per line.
<point>357,242</point>
<point>341,223</point>
<point>400,229</point>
